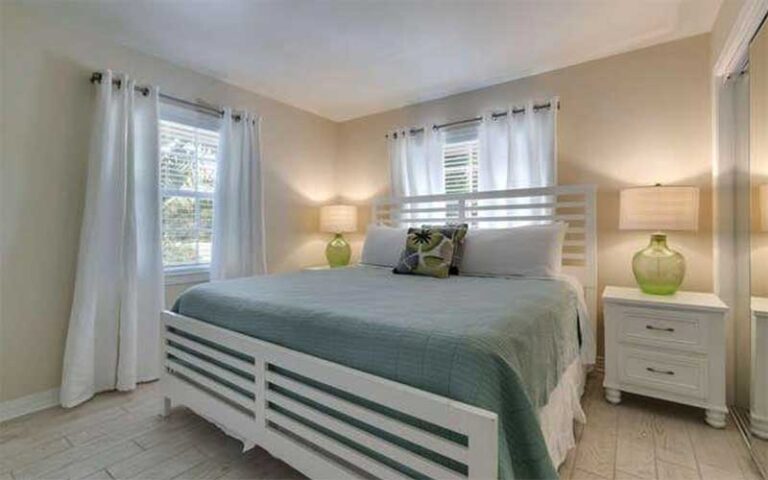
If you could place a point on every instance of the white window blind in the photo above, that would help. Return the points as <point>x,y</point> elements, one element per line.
<point>187,174</point>
<point>460,166</point>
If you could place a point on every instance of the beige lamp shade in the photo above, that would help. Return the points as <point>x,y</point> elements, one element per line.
<point>338,218</point>
<point>764,207</point>
<point>659,208</point>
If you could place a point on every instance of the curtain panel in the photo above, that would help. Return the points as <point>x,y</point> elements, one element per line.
<point>518,150</point>
<point>416,162</point>
<point>113,338</point>
<point>238,206</point>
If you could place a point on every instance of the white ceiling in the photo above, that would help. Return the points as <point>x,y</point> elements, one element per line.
<point>344,58</point>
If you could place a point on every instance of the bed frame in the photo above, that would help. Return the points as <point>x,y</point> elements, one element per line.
<point>249,387</point>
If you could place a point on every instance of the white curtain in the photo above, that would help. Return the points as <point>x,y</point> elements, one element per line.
<point>518,150</point>
<point>238,217</point>
<point>416,166</point>
<point>416,162</point>
<point>113,339</point>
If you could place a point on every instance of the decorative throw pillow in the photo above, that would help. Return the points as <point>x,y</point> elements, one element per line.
<point>459,233</point>
<point>428,251</point>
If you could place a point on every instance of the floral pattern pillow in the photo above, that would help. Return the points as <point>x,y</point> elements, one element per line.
<point>459,233</point>
<point>428,251</point>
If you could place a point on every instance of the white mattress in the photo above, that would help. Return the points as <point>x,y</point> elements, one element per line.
<point>564,406</point>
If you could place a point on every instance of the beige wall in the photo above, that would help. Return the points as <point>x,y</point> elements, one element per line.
<point>632,119</point>
<point>46,114</point>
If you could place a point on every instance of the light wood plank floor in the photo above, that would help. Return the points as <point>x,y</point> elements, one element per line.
<point>122,436</point>
<point>642,438</point>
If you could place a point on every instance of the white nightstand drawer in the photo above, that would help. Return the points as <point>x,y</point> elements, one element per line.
<point>670,329</point>
<point>671,373</point>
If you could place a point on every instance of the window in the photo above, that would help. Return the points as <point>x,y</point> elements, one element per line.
<point>188,149</point>
<point>460,160</point>
<point>461,149</point>
<point>460,165</point>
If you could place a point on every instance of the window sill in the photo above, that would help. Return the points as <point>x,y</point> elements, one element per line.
<point>187,275</point>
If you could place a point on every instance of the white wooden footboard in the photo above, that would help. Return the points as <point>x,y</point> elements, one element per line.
<point>307,411</point>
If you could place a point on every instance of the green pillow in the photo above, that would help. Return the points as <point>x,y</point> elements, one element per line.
<point>459,233</point>
<point>428,251</point>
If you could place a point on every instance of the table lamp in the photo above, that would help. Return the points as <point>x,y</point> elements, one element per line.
<point>658,269</point>
<point>338,219</point>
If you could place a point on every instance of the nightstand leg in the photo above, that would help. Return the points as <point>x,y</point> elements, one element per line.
<point>166,406</point>
<point>613,395</point>
<point>715,418</point>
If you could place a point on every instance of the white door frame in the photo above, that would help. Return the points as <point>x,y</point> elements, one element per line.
<point>730,281</point>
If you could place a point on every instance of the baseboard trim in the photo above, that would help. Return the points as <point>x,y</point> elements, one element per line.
<point>17,407</point>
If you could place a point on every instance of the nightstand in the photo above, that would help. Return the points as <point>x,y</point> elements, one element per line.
<point>668,347</point>
<point>758,411</point>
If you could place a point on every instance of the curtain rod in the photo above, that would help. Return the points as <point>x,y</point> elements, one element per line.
<point>494,116</point>
<point>200,107</point>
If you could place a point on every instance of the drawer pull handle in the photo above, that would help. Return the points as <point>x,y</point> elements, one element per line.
<point>668,329</point>
<point>664,372</point>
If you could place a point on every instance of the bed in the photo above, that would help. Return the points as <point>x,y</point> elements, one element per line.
<point>356,372</point>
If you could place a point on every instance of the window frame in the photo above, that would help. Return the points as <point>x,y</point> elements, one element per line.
<point>198,272</point>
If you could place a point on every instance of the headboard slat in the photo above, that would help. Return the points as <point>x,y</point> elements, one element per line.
<point>574,204</point>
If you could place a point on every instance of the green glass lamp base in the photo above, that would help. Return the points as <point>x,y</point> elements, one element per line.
<point>658,269</point>
<point>338,252</point>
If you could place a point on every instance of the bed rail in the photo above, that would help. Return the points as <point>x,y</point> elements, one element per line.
<point>324,419</point>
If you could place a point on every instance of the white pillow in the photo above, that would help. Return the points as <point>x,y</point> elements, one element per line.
<point>383,245</point>
<point>535,251</point>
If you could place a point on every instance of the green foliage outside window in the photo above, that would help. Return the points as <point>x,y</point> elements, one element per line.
<point>187,177</point>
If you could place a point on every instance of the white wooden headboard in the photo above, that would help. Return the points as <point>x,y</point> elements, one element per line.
<point>574,204</point>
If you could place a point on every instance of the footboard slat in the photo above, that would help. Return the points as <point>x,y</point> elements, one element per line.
<point>383,422</point>
<point>321,417</point>
<point>447,413</point>
<point>212,385</point>
<point>361,437</point>
<point>332,446</point>
<point>232,378</point>
<point>229,360</point>
<point>205,402</point>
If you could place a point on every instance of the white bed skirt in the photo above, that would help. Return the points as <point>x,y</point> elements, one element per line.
<point>564,406</point>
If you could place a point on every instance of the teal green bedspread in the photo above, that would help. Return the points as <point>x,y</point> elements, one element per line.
<point>497,343</point>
